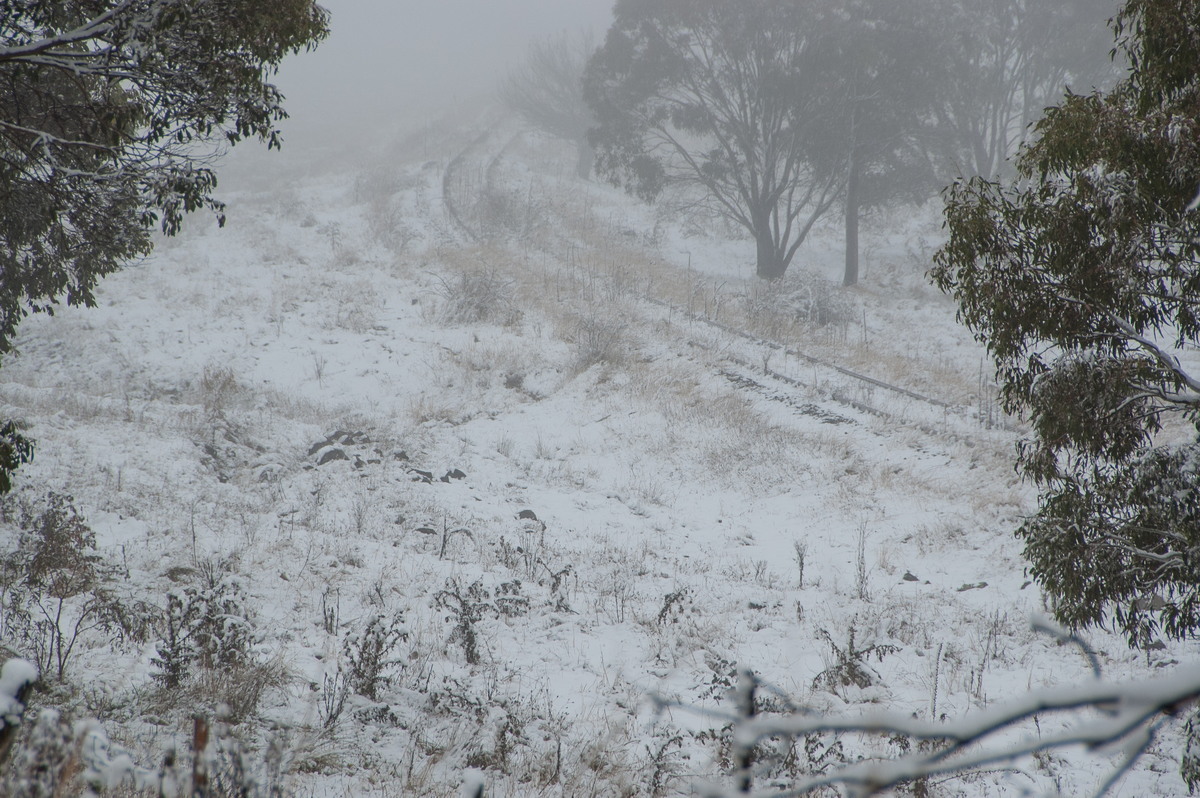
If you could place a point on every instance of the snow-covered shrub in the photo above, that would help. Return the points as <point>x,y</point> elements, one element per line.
<point>207,656</point>
<point>218,388</point>
<point>477,295</point>
<point>469,605</point>
<point>44,760</point>
<point>17,677</point>
<point>773,758</point>
<point>369,654</point>
<point>597,339</point>
<point>805,302</point>
<point>206,626</point>
<point>58,756</point>
<point>56,589</point>
<point>850,664</point>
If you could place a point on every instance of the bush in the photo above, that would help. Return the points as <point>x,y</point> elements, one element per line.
<point>56,588</point>
<point>205,626</point>
<point>369,653</point>
<point>479,295</point>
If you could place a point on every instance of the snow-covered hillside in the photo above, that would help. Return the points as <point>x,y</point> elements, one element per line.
<point>552,452</point>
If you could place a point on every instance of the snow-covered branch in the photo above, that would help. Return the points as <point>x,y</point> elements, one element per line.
<point>1167,360</point>
<point>1127,715</point>
<point>1118,717</point>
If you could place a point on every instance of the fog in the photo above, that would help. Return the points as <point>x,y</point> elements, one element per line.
<point>391,65</point>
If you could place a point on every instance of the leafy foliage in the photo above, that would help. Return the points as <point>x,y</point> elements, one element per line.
<point>105,110</point>
<point>15,451</point>
<point>1082,279</point>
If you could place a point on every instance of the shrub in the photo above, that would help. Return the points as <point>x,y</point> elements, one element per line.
<point>205,625</point>
<point>56,588</point>
<point>478,295</point>
<point>369,654</point>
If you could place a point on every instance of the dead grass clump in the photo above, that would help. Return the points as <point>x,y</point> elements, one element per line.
<point>804,305</point>
<point>477,295</point>
<point>235,693</point>
<point>218,390</point>
<point>597,339</point>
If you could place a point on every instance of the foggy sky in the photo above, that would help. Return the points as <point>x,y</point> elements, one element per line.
<point>392,63</point>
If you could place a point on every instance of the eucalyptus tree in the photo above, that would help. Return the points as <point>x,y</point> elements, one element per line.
<point>999,64</point>
<point>875,66</point>
<point>1082,277</point>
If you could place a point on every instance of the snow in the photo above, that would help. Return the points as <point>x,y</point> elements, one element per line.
<point>660,454</point>
<point>14,674</point>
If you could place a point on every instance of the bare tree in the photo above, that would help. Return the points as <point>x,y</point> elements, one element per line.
<point>547,90</point>
<point>1001,63</point>
<point>726,97</point>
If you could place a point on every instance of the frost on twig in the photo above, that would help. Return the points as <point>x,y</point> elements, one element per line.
<point>1120,718</point>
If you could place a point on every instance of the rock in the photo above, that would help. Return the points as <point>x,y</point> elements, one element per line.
<point>422,476</point>
<point>908,577</point>
<point>527,515</point>
<point>269,472</point>
<point>180,573</point>
<point>331,455</point>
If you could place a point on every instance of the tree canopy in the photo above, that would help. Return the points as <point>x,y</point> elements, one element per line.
<point>547,90</point>
<point>1082,277</point>
<point>876,67</point>
<point>718,95</point>
<point>1000,64</point>
<point>111,112</point>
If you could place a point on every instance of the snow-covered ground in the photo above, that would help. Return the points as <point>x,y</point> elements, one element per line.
<point>582,453</point>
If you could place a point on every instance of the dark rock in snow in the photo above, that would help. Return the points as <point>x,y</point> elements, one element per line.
<point>180,573</point>
<point>908,577</point>
<point>527,515</point>
<point>331,455</point>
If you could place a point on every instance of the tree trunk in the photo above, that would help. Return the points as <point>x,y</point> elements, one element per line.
<point>585,159</point>
<point>770,262</point>
<point>852,202</point>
